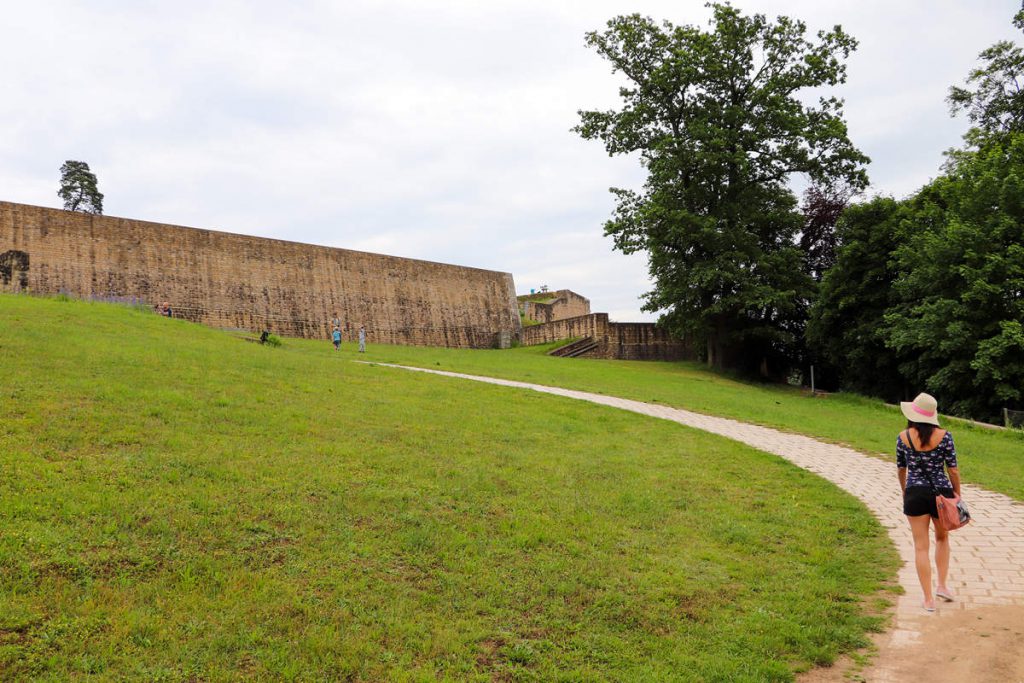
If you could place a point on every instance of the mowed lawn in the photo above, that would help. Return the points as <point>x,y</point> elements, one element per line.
<point>177,504</point>
<point>990,458</point>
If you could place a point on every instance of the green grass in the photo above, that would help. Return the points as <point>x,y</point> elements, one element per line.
<point>178,504</point>
<point>990,458</point>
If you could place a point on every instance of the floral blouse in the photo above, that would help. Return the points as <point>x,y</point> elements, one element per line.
<point>922,464</point>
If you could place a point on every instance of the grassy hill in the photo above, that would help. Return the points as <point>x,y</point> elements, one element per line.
<point>990,458</point>
<point>179,504</point>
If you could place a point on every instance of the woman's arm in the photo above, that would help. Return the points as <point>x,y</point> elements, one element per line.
<point>954,478</point>
<point>902,472</point>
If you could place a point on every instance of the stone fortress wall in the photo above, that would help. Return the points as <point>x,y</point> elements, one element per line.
<point>237,281</point>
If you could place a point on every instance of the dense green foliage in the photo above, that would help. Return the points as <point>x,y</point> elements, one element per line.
<point>78,188</point>
<point>847,325</point>
<point>920,294</point>
<point>179,504</point>
<point>720,122</point>
<point>956,323</point>
<point>928,293</point>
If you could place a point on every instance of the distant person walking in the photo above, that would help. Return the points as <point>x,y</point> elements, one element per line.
<point>336,337</point>
<point>362,339</point>
<point>924,455</point>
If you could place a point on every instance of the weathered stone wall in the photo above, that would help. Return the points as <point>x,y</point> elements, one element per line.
<point>623,341</point>
<point>642,341</point>
<point>551,306</point>
<point>569,304</point>
<point>229,280</point>
<point>594,325</point>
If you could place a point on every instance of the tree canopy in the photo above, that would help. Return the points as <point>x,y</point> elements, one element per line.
<point>847,327</point>
<point>78,188</point>
<point>959,300</point>
<point>928,293</point>
<point>720,122</point>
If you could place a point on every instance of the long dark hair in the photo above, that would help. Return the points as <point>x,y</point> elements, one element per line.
<point>924,431</point>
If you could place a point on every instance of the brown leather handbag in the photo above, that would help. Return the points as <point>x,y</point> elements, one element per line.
<point>953,512</point>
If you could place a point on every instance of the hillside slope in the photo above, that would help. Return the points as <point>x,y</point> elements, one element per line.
<point>177,503</point>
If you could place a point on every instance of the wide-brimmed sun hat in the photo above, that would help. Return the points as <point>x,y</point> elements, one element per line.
<point>924,408</point>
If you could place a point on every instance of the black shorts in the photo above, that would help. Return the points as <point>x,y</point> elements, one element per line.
<point>920,500</point>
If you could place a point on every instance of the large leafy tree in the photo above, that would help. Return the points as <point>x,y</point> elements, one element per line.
<point>958,319</point>
<point>720,120</point>
<point>928,293</point>
<point>78,188</point>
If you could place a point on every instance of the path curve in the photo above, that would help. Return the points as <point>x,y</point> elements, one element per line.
<point>987,565</point>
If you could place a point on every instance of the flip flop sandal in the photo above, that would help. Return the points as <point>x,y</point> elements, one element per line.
<point>945,595</point>
<point>928,608</point>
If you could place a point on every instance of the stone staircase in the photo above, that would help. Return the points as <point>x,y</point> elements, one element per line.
<point>577,348</point>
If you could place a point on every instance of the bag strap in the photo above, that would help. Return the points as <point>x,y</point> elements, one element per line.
<point>927,472</point>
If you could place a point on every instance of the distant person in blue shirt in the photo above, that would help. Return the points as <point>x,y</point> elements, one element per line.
<point>336,336</point>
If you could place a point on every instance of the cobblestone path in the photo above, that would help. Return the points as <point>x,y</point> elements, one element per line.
<point>987,566</point>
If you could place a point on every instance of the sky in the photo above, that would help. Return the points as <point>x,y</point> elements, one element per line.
<point>425,129</point>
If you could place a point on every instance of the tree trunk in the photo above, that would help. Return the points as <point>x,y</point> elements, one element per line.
<point>716,346</point>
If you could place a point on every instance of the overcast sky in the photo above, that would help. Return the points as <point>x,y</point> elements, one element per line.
<point>426,129</point>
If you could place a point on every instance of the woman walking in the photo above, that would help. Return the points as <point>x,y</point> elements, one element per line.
<point>924,454</point>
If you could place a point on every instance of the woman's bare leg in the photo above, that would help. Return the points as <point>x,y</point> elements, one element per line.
<point>919,527</point>
<point>942,556</point>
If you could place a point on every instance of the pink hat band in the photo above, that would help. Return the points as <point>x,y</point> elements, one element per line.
<point>922,411</point>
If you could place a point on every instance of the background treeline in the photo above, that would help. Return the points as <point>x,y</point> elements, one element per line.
<point>927,293</point>
<point>882,296</point>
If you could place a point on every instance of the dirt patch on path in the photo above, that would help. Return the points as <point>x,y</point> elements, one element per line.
<point>979,645</point>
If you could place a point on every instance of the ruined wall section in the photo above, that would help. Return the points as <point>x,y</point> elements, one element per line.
<point>253,283</point>
<point>569,304</point>
<point>548,307</point>
<point>621,341</point>
<point>643,341</point>
<point>594,325</point>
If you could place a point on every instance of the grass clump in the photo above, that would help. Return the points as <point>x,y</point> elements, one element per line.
<point>178,505</point>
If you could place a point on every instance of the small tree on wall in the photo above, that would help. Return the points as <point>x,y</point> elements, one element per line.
<point>78,188</point>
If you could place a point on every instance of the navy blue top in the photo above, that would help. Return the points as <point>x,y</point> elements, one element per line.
<point>921,464</point>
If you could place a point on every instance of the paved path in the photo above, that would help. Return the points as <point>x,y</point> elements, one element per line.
<point>987,565</point>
